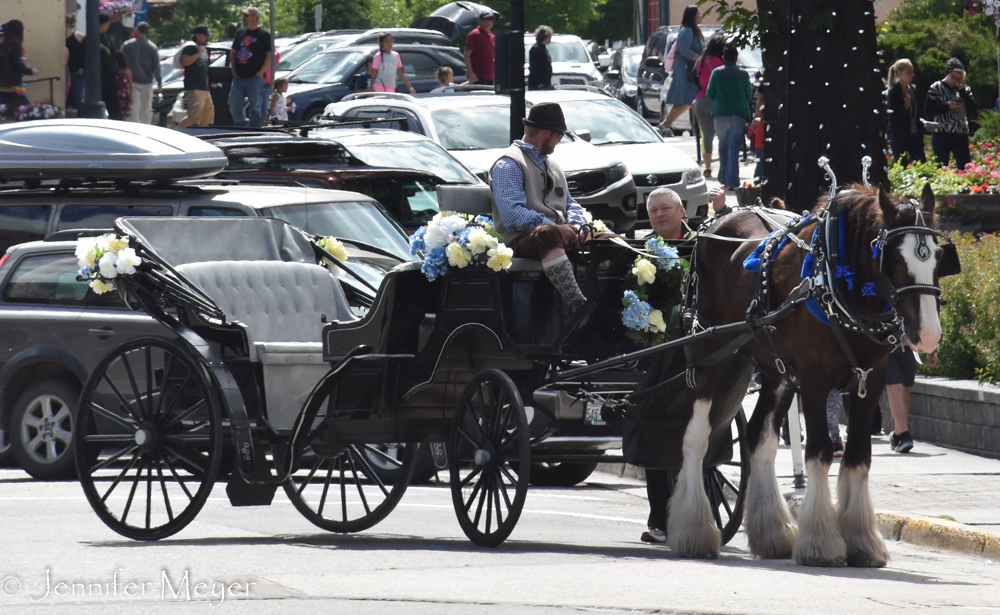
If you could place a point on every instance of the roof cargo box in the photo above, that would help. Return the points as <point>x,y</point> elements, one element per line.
<point>103,150</point>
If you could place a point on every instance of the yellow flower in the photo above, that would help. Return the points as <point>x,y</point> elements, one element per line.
<point>656,323</point>
<point>480,241</point>
<point>116,244</point>
<point>457,255</point>
<point>500,257</point>
<point>645,271</point>
<point>335,247</point>
<point>100,286</point>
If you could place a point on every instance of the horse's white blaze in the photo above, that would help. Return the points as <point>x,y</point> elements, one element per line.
<point>691,529</point>
<point>856,519</point>
<point>819,542</point>
<point>768,524</point>
<point>923,273</point>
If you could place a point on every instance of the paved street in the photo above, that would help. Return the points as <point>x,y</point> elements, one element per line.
<point>574,549</point>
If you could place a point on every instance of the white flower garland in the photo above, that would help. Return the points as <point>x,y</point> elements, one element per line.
<point>104,258</point>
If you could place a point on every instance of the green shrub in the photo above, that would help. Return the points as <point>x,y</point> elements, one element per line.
<point>909,179</point>
<point>989,126</point>
<point>970,346</point>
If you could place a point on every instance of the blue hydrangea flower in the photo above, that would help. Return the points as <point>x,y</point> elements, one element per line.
<point>435,264</point>
<point>84,272</point>
<point>463,237</point>
<point>484,220</point>
<point>417,241</point>
<point>667,257</point>
<point>636,315</point>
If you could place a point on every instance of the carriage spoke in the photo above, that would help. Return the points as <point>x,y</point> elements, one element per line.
<point>488,492</point>
<point>343,488</point>
<point>506,497</point>
<point>109,438</point>
<point>135,387</point>
<point>506,442</point>
<point>472,475</point>
<point>482,499</point>
<point>149,492</point>
<point>121,475</point>
<point>309,477</point>
<point>357,482</point>
<point>121,399</point>
<point>176,476</point>
<point>496,500</point>
<point>192,465</point>
<point>121,420</point>
<point>728,484</point>
<point>110,460</point>
<point>186,413</point>
<point>466,435</point>
<point>476,421</point>
<point>369,471</point>
<point>509,477</point>
<point>326,489</point>
<point>384,455</point>
<point>135,485</point>
<point>472,497</point>
<point>149,383</point>
<point>180,437</point>
<point>167,364</point>
<point>177,396</point>
<point>166,497</point>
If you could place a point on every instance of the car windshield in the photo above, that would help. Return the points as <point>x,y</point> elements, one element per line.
<point>303,52</point>
<point>364,221</point>
<point>331,67</point>
<point>563,50</point>
<point>632,60</point>
<point>418,155</point>
<point>608,121</point>
<point>472,128</point>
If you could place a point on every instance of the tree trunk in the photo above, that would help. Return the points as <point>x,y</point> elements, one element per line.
<point>823,96</point>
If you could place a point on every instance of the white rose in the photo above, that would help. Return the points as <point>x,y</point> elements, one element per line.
<point>645,271</point>
<point>127,261</point>
<point>656,323</point>
<point>108,265</point>
<point>479,241</point>
<point>457,255</point>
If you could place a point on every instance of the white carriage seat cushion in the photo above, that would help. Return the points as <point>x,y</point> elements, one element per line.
<point>279,301</point>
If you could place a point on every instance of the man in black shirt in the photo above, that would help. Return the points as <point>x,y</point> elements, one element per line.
<point>194,59</point>
<point>249,59</point>
<point>539,61</point>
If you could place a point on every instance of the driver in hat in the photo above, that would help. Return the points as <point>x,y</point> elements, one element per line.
<point>533,210</point>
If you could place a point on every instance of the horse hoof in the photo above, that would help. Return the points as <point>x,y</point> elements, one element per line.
<point>834,563</point>
<point>865,560</point>
<point>812,551</point>
<point>697,543</point>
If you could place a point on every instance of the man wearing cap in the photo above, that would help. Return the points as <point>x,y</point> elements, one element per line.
<point>532,208</point>
<point>249,59</point>
<point>951,103</point>
<point>479,49</point>
<point>143,58</point>
<point>194,60</point>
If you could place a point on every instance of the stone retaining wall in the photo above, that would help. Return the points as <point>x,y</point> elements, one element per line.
<point>955,413</point>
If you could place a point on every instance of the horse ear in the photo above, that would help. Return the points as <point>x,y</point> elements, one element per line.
<point>927,202</point>
<point>888,208</point>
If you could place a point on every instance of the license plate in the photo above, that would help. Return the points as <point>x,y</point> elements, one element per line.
<point>593,416</point>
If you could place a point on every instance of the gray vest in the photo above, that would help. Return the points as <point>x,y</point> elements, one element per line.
<point>544,192</point>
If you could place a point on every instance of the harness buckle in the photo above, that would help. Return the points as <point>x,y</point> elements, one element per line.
<point>863,381</point>
<point>780,365</point>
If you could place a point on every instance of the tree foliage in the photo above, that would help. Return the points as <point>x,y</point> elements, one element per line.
<point>930,32</point>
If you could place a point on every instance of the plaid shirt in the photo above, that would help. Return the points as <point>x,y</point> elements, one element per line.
<point>508,192</point>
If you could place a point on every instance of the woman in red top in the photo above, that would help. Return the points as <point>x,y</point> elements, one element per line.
<point>711,60</point>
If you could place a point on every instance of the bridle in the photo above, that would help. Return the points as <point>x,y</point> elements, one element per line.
<point>948,265</point>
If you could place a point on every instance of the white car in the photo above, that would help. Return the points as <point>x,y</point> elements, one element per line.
<point>571,61</point>
<point>475,128</point>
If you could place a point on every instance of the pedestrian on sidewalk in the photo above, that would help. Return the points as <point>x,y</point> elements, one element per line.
<point>480,48</point>
<point>110,88</point>
<point>387,66</point>
<point>446,80</point>
<point>249,59</point>
<point>197,98</point>
<point>901,373</point>
<point>75,63</point>
<point>279,104</point>
<point>688,47</point>
<point>702,104</point>
<point>730,91</point>
<point>124,84</point>
<point>951,103</point>
<point>539,61</point>
<point>756,135</point>
<point>906,131</point>
<point>13,70</point>
<point>143,57</point>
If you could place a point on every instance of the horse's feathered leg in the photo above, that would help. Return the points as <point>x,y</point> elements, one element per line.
<point>855,510</point>
<point>819,542</point>
<point>768,523</point>
<point>691,529</point>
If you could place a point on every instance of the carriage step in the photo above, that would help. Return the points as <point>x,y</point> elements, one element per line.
<point>258,493</point>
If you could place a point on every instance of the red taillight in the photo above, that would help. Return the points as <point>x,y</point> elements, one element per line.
<point>4,260</point>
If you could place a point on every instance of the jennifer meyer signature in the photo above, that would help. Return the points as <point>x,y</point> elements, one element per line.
<point>177,587</point>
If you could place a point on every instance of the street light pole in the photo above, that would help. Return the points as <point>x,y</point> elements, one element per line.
<point>515,68</point>
<point>93,106</point>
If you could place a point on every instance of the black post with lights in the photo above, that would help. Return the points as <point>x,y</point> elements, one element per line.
<point>93,105</point>
<point>515,68</point>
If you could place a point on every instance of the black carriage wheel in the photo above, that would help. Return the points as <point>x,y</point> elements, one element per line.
<point>726,484</point>
<point>148,439</point>
<point>489,457</point>
<point>336,486</point>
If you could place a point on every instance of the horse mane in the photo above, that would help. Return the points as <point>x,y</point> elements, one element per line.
<point>863,221</point>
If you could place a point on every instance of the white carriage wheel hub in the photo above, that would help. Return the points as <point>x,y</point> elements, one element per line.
<point>142,436</point>
<point>482,457</point>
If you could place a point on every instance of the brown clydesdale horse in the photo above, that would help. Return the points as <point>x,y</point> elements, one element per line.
<point>812,355</point>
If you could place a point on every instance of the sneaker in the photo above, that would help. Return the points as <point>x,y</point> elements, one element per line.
<point>653,535</point>
<point>902,443</point>
<point>838,448</point>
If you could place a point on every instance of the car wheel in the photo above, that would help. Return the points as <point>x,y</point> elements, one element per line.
<point>313,114</point>
<point>560,474</point>
<point>42,429</point>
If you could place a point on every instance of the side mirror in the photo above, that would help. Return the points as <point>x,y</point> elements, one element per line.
<point>584,134</point>
<point>613,75</point>
<point>653,62</point>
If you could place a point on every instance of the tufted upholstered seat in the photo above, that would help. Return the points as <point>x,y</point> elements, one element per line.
<point>282,305</point>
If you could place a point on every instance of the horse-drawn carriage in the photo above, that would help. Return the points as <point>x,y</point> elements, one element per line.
<point>274,377</point>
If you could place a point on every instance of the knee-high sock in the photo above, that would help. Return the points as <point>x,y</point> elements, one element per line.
<point>560,273</point>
